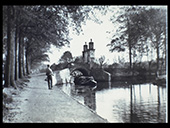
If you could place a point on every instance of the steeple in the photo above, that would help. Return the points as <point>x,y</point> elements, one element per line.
<point>85,47</point>
<point>91,44</point>
<point>88,53</point>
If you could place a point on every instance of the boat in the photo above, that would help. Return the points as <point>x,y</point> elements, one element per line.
<point>85,81</point>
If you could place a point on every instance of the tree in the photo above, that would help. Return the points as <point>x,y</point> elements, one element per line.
<point>9,70</point>
<point>7,64</point>
<point>28,32</point>
<point>141,26</point>
<point>101,61</point>
<point>152,25</point>
<point>157,34</point>
<point>127,33</point>
<point>50,25</point>
<point>66,57</point>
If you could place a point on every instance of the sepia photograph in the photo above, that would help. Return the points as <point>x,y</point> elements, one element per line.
<point>85,64</point>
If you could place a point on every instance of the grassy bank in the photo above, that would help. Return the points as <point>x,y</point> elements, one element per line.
<point>9,94</point>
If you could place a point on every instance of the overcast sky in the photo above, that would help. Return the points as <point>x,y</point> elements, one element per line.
<point>91,30</point>
<point>99,35</point>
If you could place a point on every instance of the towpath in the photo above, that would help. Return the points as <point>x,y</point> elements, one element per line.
<point>38,104</point>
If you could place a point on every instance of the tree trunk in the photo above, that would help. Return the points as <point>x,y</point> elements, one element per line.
<point>130,46</point>
<point>7,64</point>
<point>149,68</point>
<point>10,70</point>
<point>12,65</point>
<point>16,47</point>
<point>20,56</point>
<point>165,47</point>
<point>157,52</point>
<point>16,54</point>
<point>27,63</point>
<point>130,56</point>
<point>23,58</point>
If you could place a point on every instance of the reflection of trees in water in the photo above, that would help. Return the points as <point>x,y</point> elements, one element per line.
<point>90,98</point>
<point>87,93</point>
<point>138,109</point>
<point>159,103</point>
<point>143,112</point>
<point>134,115</point>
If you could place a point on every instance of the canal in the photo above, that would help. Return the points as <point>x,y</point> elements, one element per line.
<point>122,103</point>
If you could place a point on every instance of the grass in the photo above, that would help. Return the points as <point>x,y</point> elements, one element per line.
<point>7,95</point>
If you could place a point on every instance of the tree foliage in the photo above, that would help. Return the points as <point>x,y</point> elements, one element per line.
<point>139,26</point>
<point>102,60</point>
<point>66,57</point>
<point>34,29</point>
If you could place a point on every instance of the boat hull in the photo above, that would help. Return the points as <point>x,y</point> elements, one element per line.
<point>85,81</point>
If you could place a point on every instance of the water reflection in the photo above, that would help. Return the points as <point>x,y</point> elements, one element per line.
<point>84,94</point>
<point>147,106</point>
<point>90,98</point>
<point>121,102</point>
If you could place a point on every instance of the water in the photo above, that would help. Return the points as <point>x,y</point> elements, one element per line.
<point>122,103</point>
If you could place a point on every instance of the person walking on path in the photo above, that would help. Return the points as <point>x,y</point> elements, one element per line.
<point>49,74</point>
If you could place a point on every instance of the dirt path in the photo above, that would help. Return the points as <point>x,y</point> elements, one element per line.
<point>37,104</point>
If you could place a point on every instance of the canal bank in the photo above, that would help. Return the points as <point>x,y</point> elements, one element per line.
<point>37,104</point>
<point>119,103</point>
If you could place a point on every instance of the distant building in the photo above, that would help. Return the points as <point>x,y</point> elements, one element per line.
<point>88,53</point>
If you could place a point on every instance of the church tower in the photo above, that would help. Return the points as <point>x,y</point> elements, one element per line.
<point>85,53</point>
<point>91,51</point>
<point>88,53</point>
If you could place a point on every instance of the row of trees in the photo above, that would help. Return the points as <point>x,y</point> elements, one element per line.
<point>28,32</point>
<point>141,30</point>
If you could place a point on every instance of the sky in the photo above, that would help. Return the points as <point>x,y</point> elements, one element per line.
<point>99,35</point>
<point>91,30</point>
